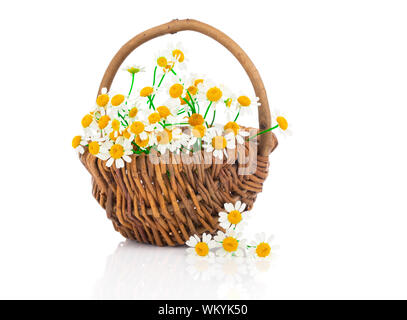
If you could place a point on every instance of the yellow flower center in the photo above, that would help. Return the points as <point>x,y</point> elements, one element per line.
<point>178,54</point>
<point>154,117</point>
<point>103,122</point>
<point>116,151</point>
<point>263,250</point>
<point>164,137</point>
<point>232,127</point>
<point>87,120</point>
<point>234,216</point>
<point>199,131</point>
<point>116,125</point>
<point>282,123</point>
<point>219,142</point>
<point>197,82</point>
<point>244,101</point>
<point>214,94</point>
<point>163,111</point>
<point>141,143</point>
<point>192,90</point>
<point>230,244</point>
<point>117,100</point>
<point>196,120</point>
<point>202,249</point>
<point>126,133</point>
<point>162,62</point>
<point>146,91</point>
<point>137,127</point>
<point>94,148</point>
<point>133,112</point>
<point>102,100</point>
<point>176,90</point>
<point>76,141</point>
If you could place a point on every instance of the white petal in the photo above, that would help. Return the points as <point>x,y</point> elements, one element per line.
<point>109,162</point>
<point>127,158</point>
<point>243,207</point>
<point>237,205</point>
<point>229,207</point>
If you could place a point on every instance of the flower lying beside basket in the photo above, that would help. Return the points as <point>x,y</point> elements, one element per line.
<point>161,165</point>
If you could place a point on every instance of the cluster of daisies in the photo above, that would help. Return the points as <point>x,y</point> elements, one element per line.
<point>230,243</point>
<point>172,114</point>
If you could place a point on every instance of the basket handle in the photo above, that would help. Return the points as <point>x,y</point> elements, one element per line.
<point>266,144</point>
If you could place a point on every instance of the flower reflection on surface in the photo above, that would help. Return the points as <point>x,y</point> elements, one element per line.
<point>138,271</point>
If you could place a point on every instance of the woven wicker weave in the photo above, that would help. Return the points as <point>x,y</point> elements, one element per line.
<point>165,203</point>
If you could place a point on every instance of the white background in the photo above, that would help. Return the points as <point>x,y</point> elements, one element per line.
<point>335,198</point>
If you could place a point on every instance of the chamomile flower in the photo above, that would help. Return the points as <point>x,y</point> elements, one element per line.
<point>260,247</point>
<point>234,128</point>
<point>218,143</point>
<point>197,133</point>
<point>179,55</point>
<point>89,124</point>
<point>77,143</point>
<point>133,69</point>
<point>282,122</point>
<point>138,128</point>
<point>118,151</point>
<point>235,216</point>
<point>200,247</point>
<point>231,243</point>
<point>175,90</point>
<point>163,60</point>
<point>246,104</point>
<point>212,93</point>
<point>96,150</point>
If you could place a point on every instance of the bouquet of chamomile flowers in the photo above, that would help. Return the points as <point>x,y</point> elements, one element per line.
<point>171,114</point>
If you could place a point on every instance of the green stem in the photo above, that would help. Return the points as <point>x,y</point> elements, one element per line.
<point>155,71</point>
<point>237,116</point>
<point>176,124</point>
<point>173,71</point>
<point>127,124</point>
<point>213,119</point>
<point>151,102</point>
<point>192,107</point>
<point>264,131</point>
<point>207,109</point>
<point>132,82</point>
<point>192,100</point>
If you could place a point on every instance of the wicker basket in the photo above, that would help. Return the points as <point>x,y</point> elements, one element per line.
<point>164,204</point>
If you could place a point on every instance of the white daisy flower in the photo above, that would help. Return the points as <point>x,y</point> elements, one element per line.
<point>211,93</point>
<point>231,243</point>
<point>163,60</point>
<point>95,149</point>
<point>261,247</point>
<point>234,128</point>
<point>235,216</point>
<point>117,152</point>
<point>246,105</point>
<point>78,143</point>
<point>283,126</point>
<point>216,142</point>
<point>179,55</point>
<point>133,69</point>
<point>89,125</point>
<point>200,247</point>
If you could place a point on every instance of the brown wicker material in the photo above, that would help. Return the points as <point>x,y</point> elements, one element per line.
<point>165,203</point>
